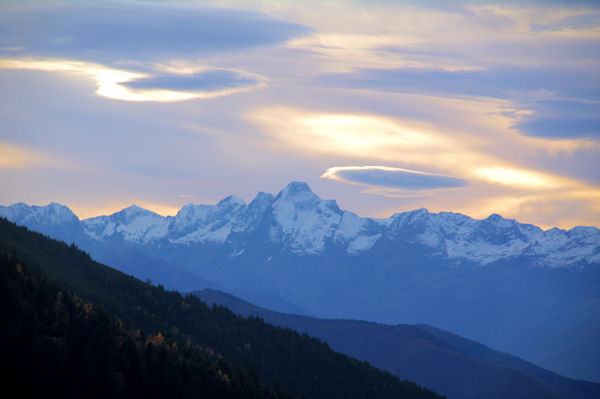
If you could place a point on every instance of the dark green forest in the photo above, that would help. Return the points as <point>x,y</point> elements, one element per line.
<point>57,345</point>
<point>76,328</point>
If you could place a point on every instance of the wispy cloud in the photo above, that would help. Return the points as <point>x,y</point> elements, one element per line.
<point>504,82</point>
<point>571,22</point>
<point>134,51</point>
<point>558,104</point>
<point>128,85</point>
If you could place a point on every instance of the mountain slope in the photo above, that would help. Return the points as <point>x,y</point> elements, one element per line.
<point>444,362</point>
<point>57,345</point>
<point>300,363</point>
<point>482,279</point>
<point>565,387</point>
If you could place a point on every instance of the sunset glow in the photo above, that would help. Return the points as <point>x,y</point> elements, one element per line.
<point>474,107</point>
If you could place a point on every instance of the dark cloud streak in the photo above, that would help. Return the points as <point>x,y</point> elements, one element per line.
<point>111,32</point>
<point>208,81</point>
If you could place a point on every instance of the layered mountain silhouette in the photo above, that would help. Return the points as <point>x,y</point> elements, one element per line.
<point>442,361</point>
<point>512,286</point>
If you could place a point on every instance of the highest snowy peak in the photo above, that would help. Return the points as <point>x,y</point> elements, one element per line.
<point>302,220</point>
<point>297,220</point>
<point>297,192</point>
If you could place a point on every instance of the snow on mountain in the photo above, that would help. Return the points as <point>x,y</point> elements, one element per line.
<point>359,234</point>
<point>568,247</point>
<point>254,214</point>
<point>133,224</point>
<point>202,223</point>
<point>486,241</point>
<point>54,220</point>
<point>303,220</point>
<point>51,214</point>
<point>459,237</point>
<point>299,221</point>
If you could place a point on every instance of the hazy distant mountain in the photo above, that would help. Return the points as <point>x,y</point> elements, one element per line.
<point>448,364</point>
<point>509,285</point>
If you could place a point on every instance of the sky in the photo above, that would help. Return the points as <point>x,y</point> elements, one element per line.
<point>385,106</point>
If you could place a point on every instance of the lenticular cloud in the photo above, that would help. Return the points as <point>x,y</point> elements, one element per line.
<point>397,178</point>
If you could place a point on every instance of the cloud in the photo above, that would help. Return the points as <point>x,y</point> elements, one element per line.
<point>139,51</point>
<point>470,140</point>
<point>556,118</point>
<point>164,86</point>
<point>557,104</point>
<point>110,32</point>
<point>500,82</point>
<point>572,22</point>
<point>209,81</point>
<point>522,178</point>
<point>398,178</point>
<point>472,49</point>
<point>561,128</point>
<point>432,35</point>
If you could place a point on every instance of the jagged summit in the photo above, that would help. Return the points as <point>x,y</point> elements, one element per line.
<point>53,213</point>
<point>297,220</point>
<point>134,210</point>
<point>297,192</point>
<point>232,200</point>
<point>262,198</point>
<point>297,187</point>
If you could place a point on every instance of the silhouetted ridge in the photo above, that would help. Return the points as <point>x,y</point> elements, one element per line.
<point>444,362</point>
<point>281,357</point>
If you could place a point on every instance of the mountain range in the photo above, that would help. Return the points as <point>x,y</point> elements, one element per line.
<point>512,286</point>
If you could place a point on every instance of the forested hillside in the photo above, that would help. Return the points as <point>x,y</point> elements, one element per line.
<point>57,345</point>
<point>119,305</point>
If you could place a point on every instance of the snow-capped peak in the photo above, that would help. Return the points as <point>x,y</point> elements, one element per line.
<point>299,221</point>
<point>232,200</point>
<point>457,236</point>
<point>302,220</point>
<point>132,212</point>
<point>297,192</point>
<point>131,224</point>
<point>51,214</point>
<point>202,223</point>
